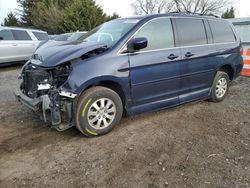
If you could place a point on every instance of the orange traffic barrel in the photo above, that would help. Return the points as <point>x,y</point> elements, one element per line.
<point>246,68</point>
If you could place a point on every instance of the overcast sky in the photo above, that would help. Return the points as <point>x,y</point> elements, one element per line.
<point>122,7</point>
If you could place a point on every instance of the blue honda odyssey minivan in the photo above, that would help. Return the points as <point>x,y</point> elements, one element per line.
<point>130,66</point>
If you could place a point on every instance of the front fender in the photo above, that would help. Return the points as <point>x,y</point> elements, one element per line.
<point>97,80</point>
<point>99,69</point>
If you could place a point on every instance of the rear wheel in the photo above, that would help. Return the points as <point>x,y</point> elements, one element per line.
<point>220,86</point>
<point>99,110</point>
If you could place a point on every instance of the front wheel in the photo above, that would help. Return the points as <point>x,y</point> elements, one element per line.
<point>99,110</point>
<point>220,86</point>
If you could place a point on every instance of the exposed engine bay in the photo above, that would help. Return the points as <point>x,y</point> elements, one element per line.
<point>41,86</point>
<point>37,81</point>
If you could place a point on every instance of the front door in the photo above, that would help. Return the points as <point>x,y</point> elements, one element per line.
<point>7,46</point>
<point>24,45</point>
<point>16,45</point>
<point>154,71</point>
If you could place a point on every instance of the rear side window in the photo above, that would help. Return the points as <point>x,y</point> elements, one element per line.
<point>222,32</point>
<point>159,33</point>
<point>40,36</point>
<point>21,35</point>
<point>191,31</point>
<point>6,34</point>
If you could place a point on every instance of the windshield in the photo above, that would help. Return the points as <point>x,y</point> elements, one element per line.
<point>110,32</point>
<point>76,36</point>
<point>62,37</point>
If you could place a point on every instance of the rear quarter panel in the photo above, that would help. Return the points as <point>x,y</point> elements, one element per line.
<point>229,54</point>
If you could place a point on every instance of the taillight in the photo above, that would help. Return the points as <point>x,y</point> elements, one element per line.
<point>241,51</point>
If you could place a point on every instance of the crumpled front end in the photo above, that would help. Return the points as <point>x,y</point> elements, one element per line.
<point>40,90</point>
<point>45,77</point>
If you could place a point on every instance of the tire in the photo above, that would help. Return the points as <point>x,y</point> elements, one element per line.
<point>220,87</point>
<point>99,110</point>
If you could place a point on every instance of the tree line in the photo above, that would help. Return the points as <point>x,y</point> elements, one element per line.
<point>60,16</point>
<point>213,7</point>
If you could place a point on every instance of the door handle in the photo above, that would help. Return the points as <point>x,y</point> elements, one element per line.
<point>172,56</point>
<point>189,54</point>
<point>14,44</point>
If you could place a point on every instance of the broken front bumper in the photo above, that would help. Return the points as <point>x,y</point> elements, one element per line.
<point>58,112</point>
<point>33,104</point>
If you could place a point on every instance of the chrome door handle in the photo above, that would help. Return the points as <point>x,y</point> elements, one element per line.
<point>189,54</point>
<point>172,56</point>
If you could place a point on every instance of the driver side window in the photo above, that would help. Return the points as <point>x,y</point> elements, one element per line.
<point>159,33</point>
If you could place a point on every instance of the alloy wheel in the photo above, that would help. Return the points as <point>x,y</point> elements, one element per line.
<point>221,87</point>
<point>101,113</point>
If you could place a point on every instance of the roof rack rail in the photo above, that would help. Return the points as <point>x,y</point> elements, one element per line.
<point>192,13</point>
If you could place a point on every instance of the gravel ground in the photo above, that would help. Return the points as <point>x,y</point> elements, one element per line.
<point>200,145</point>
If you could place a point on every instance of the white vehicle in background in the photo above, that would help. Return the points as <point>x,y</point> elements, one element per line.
<point>18,44</point>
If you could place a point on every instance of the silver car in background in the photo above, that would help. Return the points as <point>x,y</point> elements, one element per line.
<point>18,44</point>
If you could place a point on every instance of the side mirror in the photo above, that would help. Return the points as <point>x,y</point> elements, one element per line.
<point>1,38</point>
<point>137,44</point>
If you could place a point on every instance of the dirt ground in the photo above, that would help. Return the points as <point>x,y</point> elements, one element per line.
<point>200,145</point>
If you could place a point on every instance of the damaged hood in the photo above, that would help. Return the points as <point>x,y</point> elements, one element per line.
<point>54,53</point>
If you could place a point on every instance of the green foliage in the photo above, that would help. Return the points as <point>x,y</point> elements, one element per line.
<point>26,11</point>
<point>11,20</point>
<point>114,16</point>
<point>82,15</point>
<point>57,16</point>
<point>230,13</point>
<point>47,15</point>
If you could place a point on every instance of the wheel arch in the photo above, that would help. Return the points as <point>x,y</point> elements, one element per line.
<point>109,82</point>
<point>229,69</point>
<point>111,85</point>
